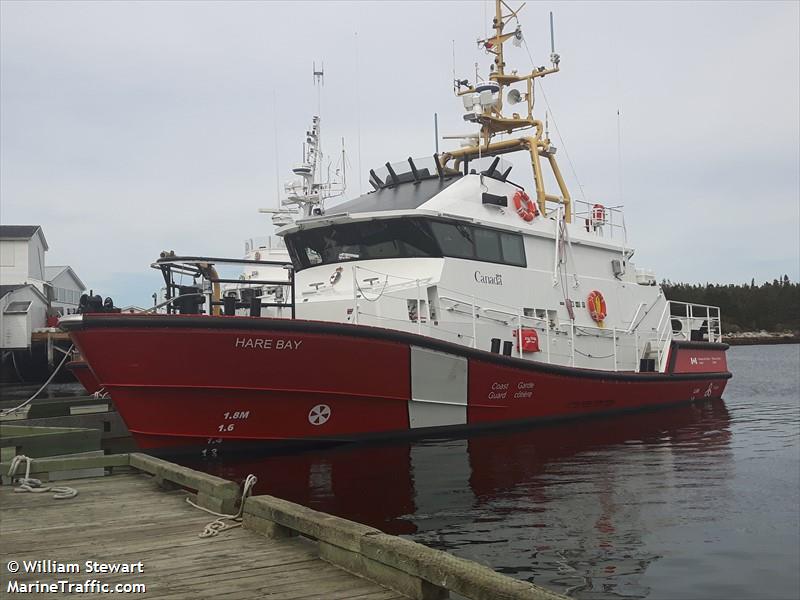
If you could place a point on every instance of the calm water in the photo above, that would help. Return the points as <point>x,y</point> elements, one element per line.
<point>694,502</point>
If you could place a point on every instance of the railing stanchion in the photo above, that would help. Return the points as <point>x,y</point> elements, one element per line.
<point>419,310</point>
<point>636,350</point>
<point>519,333</point>
<point>572,341</point>
<point>474,326</point>
<point>547,337</point>
<point>355,296</point>
<point>614,338</point>
<point>294,303</point>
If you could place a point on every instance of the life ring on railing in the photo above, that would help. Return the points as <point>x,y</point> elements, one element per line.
<point>599,214</point>
<point>524,206</point>
<point>336,276</point>
<point>597,306</point>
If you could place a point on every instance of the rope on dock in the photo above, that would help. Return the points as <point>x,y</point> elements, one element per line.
<point>218,525</point>
<point>8,411</point>
<point>31,484</point>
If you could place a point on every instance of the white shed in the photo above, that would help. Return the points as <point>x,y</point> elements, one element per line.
<point>23,308</point>
<point>22,249</point>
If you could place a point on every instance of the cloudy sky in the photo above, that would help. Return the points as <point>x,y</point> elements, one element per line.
<point>131,127</point>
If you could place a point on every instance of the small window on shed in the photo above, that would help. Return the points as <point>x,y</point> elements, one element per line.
<point>487,245</point>
<point>513,249</point>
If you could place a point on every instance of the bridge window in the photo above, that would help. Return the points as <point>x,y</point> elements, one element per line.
<point>487,245</point>
<point>455,239</point>
<point>513,249</point>
<point>403,238</point>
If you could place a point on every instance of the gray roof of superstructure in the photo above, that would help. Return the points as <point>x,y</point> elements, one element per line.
<point>22,232</point>
<point>404,196</point>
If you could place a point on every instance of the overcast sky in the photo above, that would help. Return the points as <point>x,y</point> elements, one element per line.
<point>128,128</point>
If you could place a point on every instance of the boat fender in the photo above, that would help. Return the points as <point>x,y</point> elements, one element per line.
<point>525,208</point>
<point>597,306</point>
<point>337,275</point>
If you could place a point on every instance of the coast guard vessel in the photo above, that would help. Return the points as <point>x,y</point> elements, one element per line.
<point>458,293</point>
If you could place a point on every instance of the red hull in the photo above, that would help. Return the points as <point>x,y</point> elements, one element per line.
<point>184,380</point>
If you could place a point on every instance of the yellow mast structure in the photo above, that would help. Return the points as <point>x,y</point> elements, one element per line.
<point>489,113</point>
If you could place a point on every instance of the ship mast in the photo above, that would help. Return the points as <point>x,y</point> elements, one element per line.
<point>306,195</point>
<point>484,102</point>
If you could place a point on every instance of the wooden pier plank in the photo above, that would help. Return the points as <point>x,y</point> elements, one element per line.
<point>126,518</point>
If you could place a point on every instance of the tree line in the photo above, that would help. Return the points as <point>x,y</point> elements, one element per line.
<point>772,306</point>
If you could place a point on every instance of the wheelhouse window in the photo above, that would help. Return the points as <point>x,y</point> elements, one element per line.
<point>403,238</point>
<point>455,239</point>
<point>513,249</point>
<point>487,245</point>
<point>386,238</point>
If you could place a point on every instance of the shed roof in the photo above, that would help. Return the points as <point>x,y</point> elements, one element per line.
<point>22,232</point>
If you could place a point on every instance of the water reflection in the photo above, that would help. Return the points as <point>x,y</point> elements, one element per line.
<point>570,506</point>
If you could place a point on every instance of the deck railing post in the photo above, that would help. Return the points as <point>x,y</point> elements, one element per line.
<point>519,333</point>
<point>636,350</point>
<point>419,310</point>
<point>547,338</point>
<point>474,326</point>
<point>572,341</point>
<point>294,300</point>
<point>355,296</point>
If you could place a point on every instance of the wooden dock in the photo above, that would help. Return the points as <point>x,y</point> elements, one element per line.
<point>139,515</point>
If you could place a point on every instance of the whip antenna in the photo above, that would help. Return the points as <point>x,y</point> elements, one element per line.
<point>554,58</point>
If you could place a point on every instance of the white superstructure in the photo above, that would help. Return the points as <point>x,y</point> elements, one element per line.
<point>457,268</point>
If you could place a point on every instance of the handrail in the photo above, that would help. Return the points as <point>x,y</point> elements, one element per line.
<point>631,327</point>
<point>170,301</point>
<point>656,341</point>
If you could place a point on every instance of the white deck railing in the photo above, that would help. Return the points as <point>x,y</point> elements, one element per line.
<point>617,349</point>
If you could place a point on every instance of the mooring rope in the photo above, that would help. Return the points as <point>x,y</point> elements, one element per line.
<point>218,525</point>
<point>8,411</point>
<point>31,484</point>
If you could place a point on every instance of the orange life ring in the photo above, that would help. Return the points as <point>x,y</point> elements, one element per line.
<point>525,208</point>
<point>597,306</point>
<point>599,213</point>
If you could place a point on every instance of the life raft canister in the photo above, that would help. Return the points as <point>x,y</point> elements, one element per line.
<point>597,306</point>
<point>530,340</point>
<point>524,206</point>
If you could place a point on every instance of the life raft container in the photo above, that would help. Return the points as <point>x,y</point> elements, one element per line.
<point>530,339</point>
<point>525,208</point>
<point>597,306</point>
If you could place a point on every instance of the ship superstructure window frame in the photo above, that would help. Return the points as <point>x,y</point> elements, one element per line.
<point>404,237</point>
